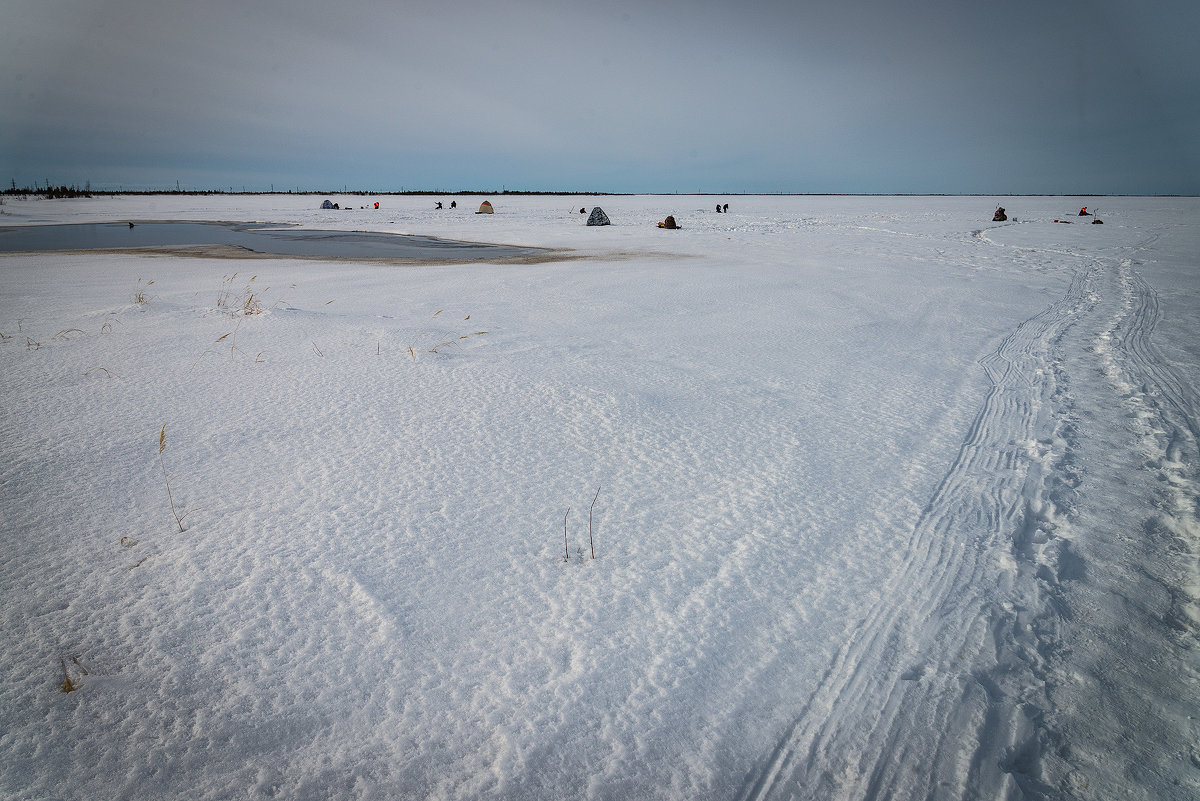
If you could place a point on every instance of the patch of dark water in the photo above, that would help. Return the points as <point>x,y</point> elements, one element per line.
<point>255,238</point>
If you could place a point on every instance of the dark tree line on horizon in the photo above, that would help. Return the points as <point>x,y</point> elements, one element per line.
<point>51,192</point>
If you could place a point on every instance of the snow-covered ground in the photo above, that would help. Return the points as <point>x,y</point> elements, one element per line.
<point>893,502</point>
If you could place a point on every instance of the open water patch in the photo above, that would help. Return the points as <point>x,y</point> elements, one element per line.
<point>254,239</point>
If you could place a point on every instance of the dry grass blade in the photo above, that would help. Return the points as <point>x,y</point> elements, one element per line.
<point>591,542</point>
<point>162,444</point>
<point>566,548</point>
<point>224,293</point>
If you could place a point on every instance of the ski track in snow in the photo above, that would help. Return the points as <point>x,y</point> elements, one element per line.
<point>943,691</point>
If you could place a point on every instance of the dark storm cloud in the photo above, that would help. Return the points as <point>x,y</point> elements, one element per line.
<point>829,96</point>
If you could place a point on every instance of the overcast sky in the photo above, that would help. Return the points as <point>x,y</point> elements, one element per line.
<point>956,96</point>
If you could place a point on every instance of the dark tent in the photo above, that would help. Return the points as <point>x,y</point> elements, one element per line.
<point>598,217</point>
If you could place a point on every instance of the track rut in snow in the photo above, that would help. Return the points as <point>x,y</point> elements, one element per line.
<point>936,694</point>
<point>1157,393</point>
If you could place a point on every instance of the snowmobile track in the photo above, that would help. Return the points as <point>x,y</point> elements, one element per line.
<point>936,695</point>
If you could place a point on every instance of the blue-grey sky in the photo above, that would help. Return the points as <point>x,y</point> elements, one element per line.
<point>929,96</point>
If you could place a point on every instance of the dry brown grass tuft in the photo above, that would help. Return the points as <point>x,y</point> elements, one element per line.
<point>247,301</point>
<point>140,296</point>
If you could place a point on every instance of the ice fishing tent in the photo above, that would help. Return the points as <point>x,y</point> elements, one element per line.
<point>328,204</point>
<point>598,217</point>
<point>485,208</point>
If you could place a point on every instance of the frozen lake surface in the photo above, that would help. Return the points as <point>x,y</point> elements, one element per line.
<point>252,237</point>
<point>887,501</point>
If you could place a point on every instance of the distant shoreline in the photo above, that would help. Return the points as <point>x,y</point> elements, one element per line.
<point>62,193</point>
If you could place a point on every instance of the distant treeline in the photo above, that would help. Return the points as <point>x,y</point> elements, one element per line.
<point>54,192</point>
<point>48,191</point>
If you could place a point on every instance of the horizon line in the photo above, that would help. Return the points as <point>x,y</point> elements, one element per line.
<point>73,191</point>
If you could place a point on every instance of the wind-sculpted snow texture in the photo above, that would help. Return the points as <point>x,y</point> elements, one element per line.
<point>894,503</point>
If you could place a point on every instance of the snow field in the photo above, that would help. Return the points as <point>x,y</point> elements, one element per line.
<point>869,473</point>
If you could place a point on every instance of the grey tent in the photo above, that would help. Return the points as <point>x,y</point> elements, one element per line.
<point>328,204</point>
<point>598,217</point>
